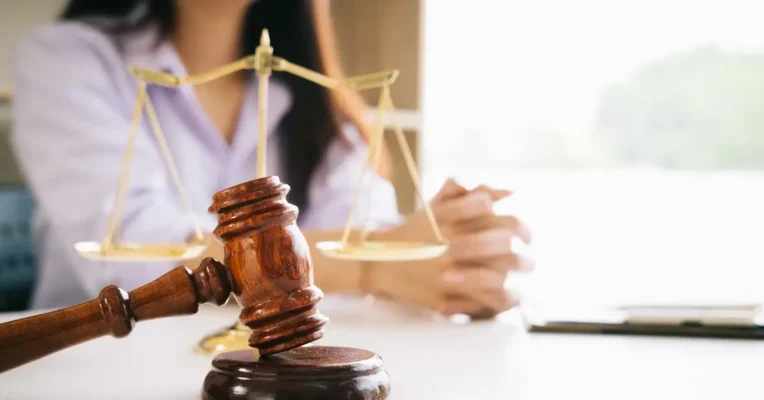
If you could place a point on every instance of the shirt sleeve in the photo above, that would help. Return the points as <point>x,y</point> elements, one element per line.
<point>71,121</point>
<point>333,187</point>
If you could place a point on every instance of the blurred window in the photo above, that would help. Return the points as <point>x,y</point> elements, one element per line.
<point>631,131</point>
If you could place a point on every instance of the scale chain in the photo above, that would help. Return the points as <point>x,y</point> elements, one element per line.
<point>376,152</point>
<point>411,165</point>
<point>157,130</point>
<point>115,220</point>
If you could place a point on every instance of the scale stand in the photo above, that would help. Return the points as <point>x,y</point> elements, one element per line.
<point>263,62</point>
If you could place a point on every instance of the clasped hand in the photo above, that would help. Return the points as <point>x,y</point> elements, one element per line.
<point>470,277</point>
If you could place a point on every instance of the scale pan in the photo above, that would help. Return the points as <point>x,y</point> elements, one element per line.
<point>139,251</point>
<point>381,251</point>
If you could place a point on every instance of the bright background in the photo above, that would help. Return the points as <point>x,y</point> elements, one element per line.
<point>631,131</point>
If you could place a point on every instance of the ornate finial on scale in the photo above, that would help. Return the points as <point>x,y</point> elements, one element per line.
<point>265,38</point>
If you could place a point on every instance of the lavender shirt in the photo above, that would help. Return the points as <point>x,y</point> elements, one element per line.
<point>73,99</point>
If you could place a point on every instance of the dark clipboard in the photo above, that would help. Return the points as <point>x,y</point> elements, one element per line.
<point>625,328</point>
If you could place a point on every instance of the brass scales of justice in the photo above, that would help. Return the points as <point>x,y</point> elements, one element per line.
<point>263,62</point>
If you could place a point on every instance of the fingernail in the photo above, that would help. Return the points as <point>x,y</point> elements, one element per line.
<point>501,194</point>
<point>528,265</point>
<point>453,277</point>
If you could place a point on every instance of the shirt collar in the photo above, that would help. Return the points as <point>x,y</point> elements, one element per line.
<point>145,48</point>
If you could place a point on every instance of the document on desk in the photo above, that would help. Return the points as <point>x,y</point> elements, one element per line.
<point>721,321</point>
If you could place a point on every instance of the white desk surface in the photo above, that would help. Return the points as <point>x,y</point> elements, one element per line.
<point>426,359</point>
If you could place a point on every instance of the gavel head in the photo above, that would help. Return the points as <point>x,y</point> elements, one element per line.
<point>270,265</point>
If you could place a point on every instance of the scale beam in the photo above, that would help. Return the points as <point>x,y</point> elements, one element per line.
<point>263,64</point>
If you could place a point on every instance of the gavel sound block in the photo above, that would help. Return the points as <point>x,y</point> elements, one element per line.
<point>269,272</point>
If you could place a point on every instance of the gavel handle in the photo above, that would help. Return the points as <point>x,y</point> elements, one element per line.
<point>178,292</point>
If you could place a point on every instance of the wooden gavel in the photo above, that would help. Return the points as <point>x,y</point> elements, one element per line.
<point>267,268</point>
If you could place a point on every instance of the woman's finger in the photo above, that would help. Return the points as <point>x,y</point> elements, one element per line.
<point>498,300</point>
<point>450,190</point>
<point>496,194</point>
<point>469,206</point>
<point>504,263</point>
<point>461,305</point>
<point>464,280</point>
<point>510,222</point>
<point>482,245</point>
<point>481,304</point>
<point>517,226</point>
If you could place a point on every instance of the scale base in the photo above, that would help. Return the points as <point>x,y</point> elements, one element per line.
<point>235,337</point>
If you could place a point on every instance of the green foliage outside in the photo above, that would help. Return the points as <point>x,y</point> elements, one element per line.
<point>703,109</point>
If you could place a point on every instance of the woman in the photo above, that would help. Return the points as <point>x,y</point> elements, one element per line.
<point>72,109</point>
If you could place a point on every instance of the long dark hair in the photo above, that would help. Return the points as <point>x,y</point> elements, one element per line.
<point>301,32</point>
